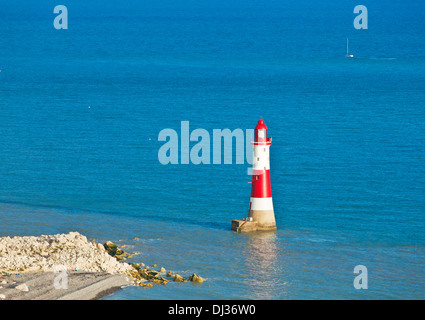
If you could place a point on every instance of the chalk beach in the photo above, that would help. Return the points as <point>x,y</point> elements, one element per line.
<point>69,267</point>
<point>29,267</point>
<point>80,286</point>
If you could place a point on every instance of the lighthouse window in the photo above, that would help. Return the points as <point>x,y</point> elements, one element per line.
<point>261,134</point>
<point>257,177</point>
<point>258,158</point>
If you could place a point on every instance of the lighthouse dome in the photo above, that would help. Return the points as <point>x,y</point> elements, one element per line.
<point>260,133</point>
<point>260,125</point>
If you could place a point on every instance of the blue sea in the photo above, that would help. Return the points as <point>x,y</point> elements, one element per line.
<point>81,110</point>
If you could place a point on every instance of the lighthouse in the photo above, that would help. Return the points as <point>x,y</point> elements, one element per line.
<point>261,213</point>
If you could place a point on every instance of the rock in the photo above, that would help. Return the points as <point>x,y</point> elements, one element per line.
<point>143,272</point>
<point>179,278</point>
<point>72,250</point>
<point>162,270</point>
<point>163,280</point>
<point>2,297</point>
<point>148,275</point>
<point>120,257</point>
<point>135,275</point>
<point>154,266</point>
<point>136,266</point>
<point>160,280</point>
<point>135,238</point>
<point>22,287</point>
<point>113,250</point>
<point>195,278</point>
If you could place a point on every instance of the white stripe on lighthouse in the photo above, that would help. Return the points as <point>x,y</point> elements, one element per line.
<point>261,203</point>
<point>261,157</point>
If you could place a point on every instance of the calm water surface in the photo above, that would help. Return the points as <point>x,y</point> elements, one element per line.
<point>347,160</point>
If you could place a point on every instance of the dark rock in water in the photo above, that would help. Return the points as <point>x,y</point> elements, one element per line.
<point>149,275</point>
<point>153,273</point>
<point>142,274</point>
<point>179,278</point>
<point>113,250</point>
<point>163,280</point>
<point>195,278</point>
<point>110,247</point>
<point>136,266</point>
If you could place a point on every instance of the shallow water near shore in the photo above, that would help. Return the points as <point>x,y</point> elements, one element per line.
<point>287,264</point>
<point>347,159</point>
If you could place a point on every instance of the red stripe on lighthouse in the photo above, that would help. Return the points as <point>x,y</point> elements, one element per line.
<point>261,187</point>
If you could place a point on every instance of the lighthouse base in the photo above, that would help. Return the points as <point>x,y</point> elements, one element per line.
<point>243,226</point>
<point>264,218</point>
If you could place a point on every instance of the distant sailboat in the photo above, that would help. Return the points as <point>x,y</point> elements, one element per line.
<point>349,55</point>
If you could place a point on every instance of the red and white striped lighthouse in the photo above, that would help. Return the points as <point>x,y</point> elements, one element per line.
<point>261,203</point>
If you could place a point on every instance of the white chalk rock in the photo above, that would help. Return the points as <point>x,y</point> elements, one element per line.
<point>22,287</point>
<point>2,297</point>
<point>47,251</point>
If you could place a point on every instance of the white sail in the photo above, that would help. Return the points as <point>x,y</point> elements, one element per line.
<point>348,55</point>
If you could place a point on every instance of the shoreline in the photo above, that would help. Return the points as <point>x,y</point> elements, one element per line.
<point>80,286</point>
<point>61,266</point>
<point>69,267</point>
